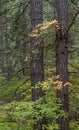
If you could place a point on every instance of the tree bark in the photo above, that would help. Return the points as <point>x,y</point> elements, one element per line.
<point>62,58</point>
<point>37,48</point>
<point>37,52</point>
<point>24,46</point>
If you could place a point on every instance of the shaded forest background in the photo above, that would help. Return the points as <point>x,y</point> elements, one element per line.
<point>17,109</point>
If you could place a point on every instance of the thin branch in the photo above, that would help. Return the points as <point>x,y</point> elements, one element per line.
<point>20,71</point>
<point>73,50</point>
<point>22,12</point>
<point>75,67</point>
<point>72,22</point>
<point>21,85</point>
<point>75,6</point>
<point>4,12</point>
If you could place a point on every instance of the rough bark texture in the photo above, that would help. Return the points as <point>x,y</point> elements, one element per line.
<point>37,50</point>
<point>36,64</point>
<point>62,58</point>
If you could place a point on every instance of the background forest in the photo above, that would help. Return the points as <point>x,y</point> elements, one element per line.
<point>30,87</point>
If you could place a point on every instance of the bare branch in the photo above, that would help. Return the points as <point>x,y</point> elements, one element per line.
<point>73,49</point>
<point>69,27</point>
<point>22,11</point>
<point>21,85</point>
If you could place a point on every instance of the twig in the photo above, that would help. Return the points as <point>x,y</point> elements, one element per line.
<point>22,12</point>
<point>72,22</point>
<point>21,85</point>
<point>75,67</point>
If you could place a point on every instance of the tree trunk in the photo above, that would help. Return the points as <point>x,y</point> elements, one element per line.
<point>37,52</point>
<point>24,45</point>
<point>37,48</point>
<point>62,58</point>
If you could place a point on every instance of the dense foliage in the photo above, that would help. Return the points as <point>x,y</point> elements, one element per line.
<point>17,110</point>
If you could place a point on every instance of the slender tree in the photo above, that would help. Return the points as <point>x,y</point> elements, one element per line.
<point>62,58</point>
<point>23,45</point>
<point>1,46</point>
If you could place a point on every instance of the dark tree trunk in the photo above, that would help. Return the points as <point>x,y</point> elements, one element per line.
<point>37,47</point>
<point>62,58</point>
<point>37,52</point>
<point>62,71</point>
<point>24,46</point>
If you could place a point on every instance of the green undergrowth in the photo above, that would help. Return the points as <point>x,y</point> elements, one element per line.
<point>15,89</point>
<point>18,112</point>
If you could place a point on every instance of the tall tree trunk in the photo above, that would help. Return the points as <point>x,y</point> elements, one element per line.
<point>24,40</point>
<point>37,48</point>
<point>7,51</point>
<point>37,51</point>
<point>1,39</point>
<point>62,58</point>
